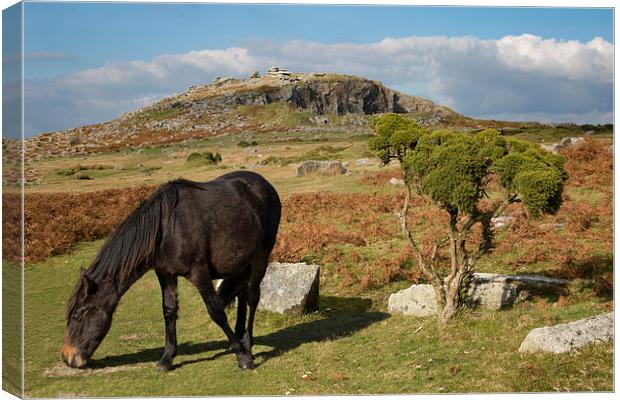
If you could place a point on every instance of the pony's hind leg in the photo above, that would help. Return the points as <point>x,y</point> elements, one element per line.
<point>259,267</point>
<point>215,307</point>
<point>228,289</point>
<point>168,285</point>
<point>242,307</point>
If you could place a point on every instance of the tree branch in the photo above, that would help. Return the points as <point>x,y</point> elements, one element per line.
<point>427,269</point>
<point>487,233</point>
<point>438,244</point>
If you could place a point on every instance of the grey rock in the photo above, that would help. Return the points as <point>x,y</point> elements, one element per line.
<point>416,300</point>
<point>501,221</point>
<point>291,289</point>
<point>497,291</point>
<point>397,182</point>
<point>364,162</point>
<point>329,167</point>
<point>565,143</point>
<point>491,291</point>
<point>572,335</point>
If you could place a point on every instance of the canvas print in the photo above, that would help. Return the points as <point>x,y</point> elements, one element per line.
<point>306,199</point>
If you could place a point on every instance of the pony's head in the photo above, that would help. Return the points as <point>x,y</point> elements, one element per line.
<point>89,316</point>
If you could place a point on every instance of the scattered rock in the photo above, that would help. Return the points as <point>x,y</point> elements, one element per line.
<point>329,167</point>
<point>566,337</point>
<point>491,291</point>
<point>565,143</point>
<point>501,221</point>
<point>416,300</point>
<point>364,162</point>
<point>397,182</point>
<point>291,289</point>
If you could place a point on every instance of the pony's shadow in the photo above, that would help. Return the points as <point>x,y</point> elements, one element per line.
<point>343,317</point>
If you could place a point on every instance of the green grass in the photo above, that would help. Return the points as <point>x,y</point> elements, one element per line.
<point>11,328</point>
<point>350,346</point>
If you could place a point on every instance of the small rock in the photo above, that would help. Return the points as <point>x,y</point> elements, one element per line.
<point>364,162</point>
<point>501,221</point>
<point>290,288</point>
<point>565,143</point>
<point>416,300</point>
<point>566,337</point>
<point>397,182</point>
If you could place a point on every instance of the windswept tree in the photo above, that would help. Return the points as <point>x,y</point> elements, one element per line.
<point>455,171</point>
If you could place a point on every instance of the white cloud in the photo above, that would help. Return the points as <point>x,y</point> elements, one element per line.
<point>515,77</point>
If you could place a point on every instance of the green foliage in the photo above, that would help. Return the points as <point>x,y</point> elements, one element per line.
<point>394,136</point>
<point>244,143</point>
<point>540,190</point>
<point>453,169</point>
<point>206,158</point>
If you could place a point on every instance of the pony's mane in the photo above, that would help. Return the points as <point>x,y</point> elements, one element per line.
<point>73,300</point>
<point>133,244</point>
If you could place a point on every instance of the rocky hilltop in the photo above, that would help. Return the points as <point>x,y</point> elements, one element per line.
<point>229,105</point>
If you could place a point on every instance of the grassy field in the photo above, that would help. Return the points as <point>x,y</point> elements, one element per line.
<point>347,225</point>
<point>350,346</point>
<point>11,328</point>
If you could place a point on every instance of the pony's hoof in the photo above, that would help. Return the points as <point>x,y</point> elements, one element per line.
<point>164,366</point>
<point>245,361</point>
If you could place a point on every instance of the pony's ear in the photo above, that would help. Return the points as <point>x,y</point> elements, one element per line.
<point>90,286</point>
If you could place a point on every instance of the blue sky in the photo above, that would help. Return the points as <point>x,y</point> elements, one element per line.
<point>121,56</point>
<point>93,34</point>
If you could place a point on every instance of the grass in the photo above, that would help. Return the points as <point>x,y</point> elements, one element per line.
<point>159,164</point>
<point>11,328</point>
<point>350,346</point>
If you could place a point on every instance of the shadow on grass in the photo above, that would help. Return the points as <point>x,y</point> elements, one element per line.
<point>342,318</point>
<point>596,270</point>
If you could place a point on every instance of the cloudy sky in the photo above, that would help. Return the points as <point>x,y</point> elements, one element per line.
<point>88,63</point>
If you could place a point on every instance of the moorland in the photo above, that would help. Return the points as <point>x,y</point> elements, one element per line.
<point>82,182</point>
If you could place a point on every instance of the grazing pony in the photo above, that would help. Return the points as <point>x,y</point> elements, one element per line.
<point>221,229</point>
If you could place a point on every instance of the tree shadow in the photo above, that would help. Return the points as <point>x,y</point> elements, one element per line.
<point>596,273</point>
<point>343,316</point>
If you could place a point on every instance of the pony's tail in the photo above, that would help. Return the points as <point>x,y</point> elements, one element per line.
<point>134,245</point>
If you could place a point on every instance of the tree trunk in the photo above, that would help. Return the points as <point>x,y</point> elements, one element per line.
<point>451,305</point>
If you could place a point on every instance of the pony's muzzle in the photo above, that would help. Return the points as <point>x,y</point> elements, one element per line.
<point>72,357</point>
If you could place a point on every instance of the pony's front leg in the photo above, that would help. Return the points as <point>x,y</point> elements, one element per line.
<point>170,307</point>
<point>215,306</point>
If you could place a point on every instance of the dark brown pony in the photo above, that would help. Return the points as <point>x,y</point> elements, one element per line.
<point>221,229</point>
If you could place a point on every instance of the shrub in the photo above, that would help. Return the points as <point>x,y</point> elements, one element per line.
<point>206,158</point>
<point>244,143</point>
<point>81,175</point>
<point>455,171</point>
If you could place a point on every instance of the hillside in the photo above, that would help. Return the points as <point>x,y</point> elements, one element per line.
<point>277,101</point>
